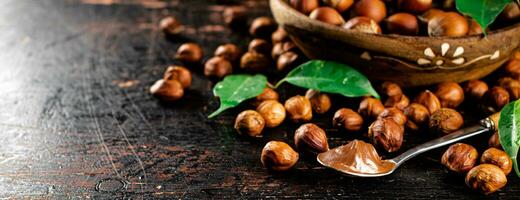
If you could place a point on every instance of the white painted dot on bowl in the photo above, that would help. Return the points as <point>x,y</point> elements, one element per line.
<point>458,61</point>
<point>365,55</point>
<point>439,62</point>
<point>458,52</point>
<point>429,52</point>
<point>422,61</point>
<point>495,55</point>
<point>445,47</point>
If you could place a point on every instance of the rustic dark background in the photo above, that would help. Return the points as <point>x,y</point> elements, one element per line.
<point>76,120</point>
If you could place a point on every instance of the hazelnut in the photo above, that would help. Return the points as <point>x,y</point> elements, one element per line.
<point>254,62</point>
<point>448,4</point>
<point>272,111</point>
<point>279,36</point>
<point>516,55</point>
<point>450,24</point>
<point>476,89</point>
<point>486,178</point>
<point>288,61</point>
<point>180,74</point>
<point>278,156</point>
<point>320,102</point>
<point>370,108</point>
<point>445,121</point>
<point>460,157</point>
<point>249,123</point>
<point>263,27</point>
<point>399,102</point>
<point>513,68</point>
<point>217,67</point>
<point>429,100</point>
<point>170,25</point>
<point>189,53</point>
<point>402,24</point>
<point>230,52</point>
<point>474,28</point>
<point>289,46</point>
<point>417,116</point>
<point>235,16</point>
<point>511,85</point>
<point>414,6</point>
<point>327,15</point>
<point>277,50</point>
<point>499,158</point>
<point>496,98</point>
<point>374,9</point>
<point>267,94</point>
<point>391,89</point>
<point>394,114</point>
<point>339,5</point>
<point>429,15</point>
<point>386,134</point>
<point>510,12</point>
<point>304,6</point>
<point>260,46</point>
<point>311,139</point>
<point>494,141</point>
<point>450,94</point>
<point>363,24</point>
<point>348,119</point>
<point>299,108</point>
<point>167,90</point>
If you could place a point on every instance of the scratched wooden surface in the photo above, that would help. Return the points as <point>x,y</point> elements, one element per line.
<point>76,120</point>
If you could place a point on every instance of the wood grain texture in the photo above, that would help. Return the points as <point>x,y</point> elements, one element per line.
<point>76,121</point>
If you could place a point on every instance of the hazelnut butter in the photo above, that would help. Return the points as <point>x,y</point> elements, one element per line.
<point>356,157</point>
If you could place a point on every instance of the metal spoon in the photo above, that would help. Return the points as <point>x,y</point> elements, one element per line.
<point>485,125</point>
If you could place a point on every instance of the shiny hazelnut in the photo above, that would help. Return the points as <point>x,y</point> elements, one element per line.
<point>511,85</point>
<point>475,89</point>
<point>230,52</point>
<point>272,111</point>
<point>373,9</point>
<point>386,134</point>
<point>394,114</point>
<point>280,35</point>
<point>486,178</point>
<point>516,55</point>
<point>299,108</point>
<point>348,119</point>
<point>510,12</point>
<point>450,24</point>
<point>267,94</point>
<point>249,123</point>
<point>474,28</point>
<point>496,98</point>
<point>428,99</point>
<point>254,62</point>
<point>235,16</point>
<point>289,46</point>
<point>320,102</point>
<point>399,102</point>
<point>499,158</point>
<point>494,141</point>
<point>391,89</point>
<point>339,5</point>
<point>402,24</point>
<point>460,158</point>
<point>304,6</point>
<point>189,53</point>
<point>448,4</point>
<point>260,46</point>
<point>414,6</point>
<point>417,116</point>
<point>180,74</point>
<point>450,94</point>
<point>278,156</point>
<point>217,67</point>
<point>288,61</point>
<point>311,139</point>
<point>362,24</point>
<point>170,25</point>
<point>263,27</point>
<point>327,15</point>
<point>370,108</point>
<point>167,90</point>
<point>445,121</point>
<point>512,68</point>
<point>429,15</point>
<point>277,50</point>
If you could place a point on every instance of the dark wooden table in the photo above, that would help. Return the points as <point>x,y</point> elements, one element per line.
<point>76,120</point>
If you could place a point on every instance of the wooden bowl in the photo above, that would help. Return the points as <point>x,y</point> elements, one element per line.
<point>407,60</point>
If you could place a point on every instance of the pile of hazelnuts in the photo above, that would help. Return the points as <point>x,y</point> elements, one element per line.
<point>403,17</point>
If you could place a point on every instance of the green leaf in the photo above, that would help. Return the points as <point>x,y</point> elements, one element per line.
<point>235,89</point>
<point>483,11</point>
<point>509,131</point>
<point>331,77</point>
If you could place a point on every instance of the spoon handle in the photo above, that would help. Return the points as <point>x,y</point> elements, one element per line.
<point>486,125</point>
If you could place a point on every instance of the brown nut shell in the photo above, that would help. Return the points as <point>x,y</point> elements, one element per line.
<point>260,46</point>
<point>189,53</point>
<point>446,121</point>
<point>475,89</point>
<point>486,178</point>
<point>460,157</point>
<point>511,85</point>
<point>254,62</point>
<point>512,68</point>
<point>417,115</point>
<point>428,99</point>
<point>263,27</point>
<point>278,156</point>
<point>494,141</point>
<point>304,6</point>
<point>279,36</point>
<point>385,133</point>
<point>180,74</point>
<point>267,94</point>
<point>287,61</point>
<point>311,139</point>
<point>414,6</point>
<point>450,24</point>
<point>496,98</point>
<point>370,107</point>
<point>450,94</point>
<point>348,119</point>
<point>217,67</point>
<point>402,24</point>
<point>170,25</point>
<point>499,158</point>
<point>391,89</point>
<point>167,90</point>
<point>400,102</point>
<point>327,15</point>
<point>394,114</point>
<point>230,52</point>
<point>320,102</point>
<point>250,123</point>
<point>273,112</point>
<point>298,108</point>
<point>374,9</point>
<point>340,5</point>
<point>363,24</point>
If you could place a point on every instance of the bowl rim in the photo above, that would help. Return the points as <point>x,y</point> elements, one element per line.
<point>304,17</point>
